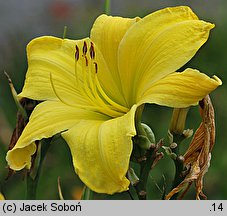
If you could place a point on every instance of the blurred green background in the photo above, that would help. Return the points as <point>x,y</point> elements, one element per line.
<point>21,21</point>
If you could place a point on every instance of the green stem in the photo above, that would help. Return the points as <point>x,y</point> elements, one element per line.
<point>146,150</point>
<point>88,194</point>
<point>179,167</point>
<point>31,188</point>
<point>32,179</point>
<point>178,162</point>
<point>141,190</point>
<point>107,7</point>
<point>64,32</point>
<point>176,132</point>
<point>145,167</point>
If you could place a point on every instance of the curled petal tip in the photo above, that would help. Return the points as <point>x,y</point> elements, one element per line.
<point>19,158</point>
<point>207,26</point>
<point>210,26</point>
<point>217,79</point>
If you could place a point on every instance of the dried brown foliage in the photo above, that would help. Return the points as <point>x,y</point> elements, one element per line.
<point>197,157</point>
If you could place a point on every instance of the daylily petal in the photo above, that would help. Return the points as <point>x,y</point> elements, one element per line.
<point>49,55</point>
<point>180,89</point>
<point>47,119</point>
<point>58,69</point>
<point>51,65</point>
<point>159,44</point>
<point>101,152</point>
<point>20,158</point>
<point>107,32</point>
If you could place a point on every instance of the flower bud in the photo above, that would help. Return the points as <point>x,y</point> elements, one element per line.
<point>178,120</point>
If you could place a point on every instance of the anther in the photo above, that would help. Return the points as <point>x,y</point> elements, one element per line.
<point>96,67</point>
<point>92,51</point>
<point>86,60</point>
<point>85,48</point>
<point>77,53</point>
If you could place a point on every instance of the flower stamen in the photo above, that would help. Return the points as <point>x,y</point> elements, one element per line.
<point>92,51</point>
<point>85,48</point>
<point>104,95</point>
<point>90,86</point>
<point>93,108</point>
<point>77,55</point>
<point>55,91</point>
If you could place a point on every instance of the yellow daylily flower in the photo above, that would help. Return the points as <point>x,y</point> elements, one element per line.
<point>91,88</point>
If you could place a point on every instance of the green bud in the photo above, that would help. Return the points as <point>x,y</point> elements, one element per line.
<point>188,133</point>
<point>173,145</point>
<point>170,136</point>
<point>167,149</point>
<point>149,132</point>
<point>169,152</point>
<point>173,156</point>
<point>142,141</point>
<point>134,180</point>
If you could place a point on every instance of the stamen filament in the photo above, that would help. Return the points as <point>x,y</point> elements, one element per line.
<point>77,55</point>
<point>93,87</point>
<point>104,95</point>
<point>85,72</point>
<point>89,86</point>
<point>93,95</point>
<point>92,108</point>
<point>91,82</point>
<point>55,92</point>
<point>76,75</point>
<point>78,84</point>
